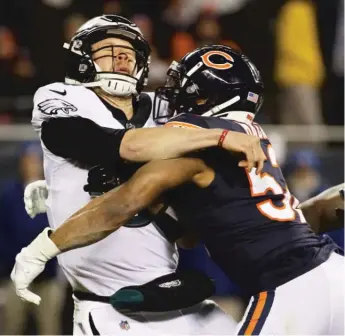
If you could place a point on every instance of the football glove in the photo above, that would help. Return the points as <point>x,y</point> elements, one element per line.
<point>100,180</point>
<point>30,262</point>
<point>35,196</point>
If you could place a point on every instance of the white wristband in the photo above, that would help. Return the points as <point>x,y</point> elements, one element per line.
<point>43,247</point>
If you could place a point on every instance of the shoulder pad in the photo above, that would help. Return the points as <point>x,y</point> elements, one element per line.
<point>186,120</point>
<point>233,125</point>
<point>59,100</point>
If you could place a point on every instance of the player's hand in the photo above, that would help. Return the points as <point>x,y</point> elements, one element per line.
<point>35,196</point>
<point>250,146</point>
<point>25,270</point>
<point>100,180</point>
<point>30,262</point>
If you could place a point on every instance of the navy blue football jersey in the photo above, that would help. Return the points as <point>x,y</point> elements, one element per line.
<point>249,223</point>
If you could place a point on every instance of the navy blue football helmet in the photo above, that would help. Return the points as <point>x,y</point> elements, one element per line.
<point>210,81</point>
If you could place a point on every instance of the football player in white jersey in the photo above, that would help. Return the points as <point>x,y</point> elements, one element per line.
<point>306,254</point>
<point>92,119</point>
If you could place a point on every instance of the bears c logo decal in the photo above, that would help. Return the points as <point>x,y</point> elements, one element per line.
<point>219,66</point>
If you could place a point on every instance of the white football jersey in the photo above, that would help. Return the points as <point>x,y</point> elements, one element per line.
<point>129,256</point>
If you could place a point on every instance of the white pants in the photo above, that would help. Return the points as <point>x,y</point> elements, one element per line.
<point>92,318</point>
<point>312,304</point>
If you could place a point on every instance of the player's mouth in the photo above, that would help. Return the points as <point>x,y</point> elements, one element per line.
<point>123,70</point>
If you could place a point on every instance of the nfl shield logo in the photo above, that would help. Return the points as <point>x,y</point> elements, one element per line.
<point>124,325</point>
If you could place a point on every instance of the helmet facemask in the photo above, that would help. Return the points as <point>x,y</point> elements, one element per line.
<point>124,68</point>
<point>165,101</point>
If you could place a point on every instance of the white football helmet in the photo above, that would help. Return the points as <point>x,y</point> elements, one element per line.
<point>82,70</point>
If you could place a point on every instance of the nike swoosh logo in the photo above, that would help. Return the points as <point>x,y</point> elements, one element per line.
<point>62,93</point>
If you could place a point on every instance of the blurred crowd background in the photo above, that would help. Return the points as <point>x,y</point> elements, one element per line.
<point>298,45</point>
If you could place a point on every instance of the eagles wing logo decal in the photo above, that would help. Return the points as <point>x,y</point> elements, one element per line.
<point>54,106</point>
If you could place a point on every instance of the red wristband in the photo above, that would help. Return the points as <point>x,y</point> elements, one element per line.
<point>222,137</point>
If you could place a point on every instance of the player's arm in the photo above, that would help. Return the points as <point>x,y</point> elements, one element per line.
<point>108,212</point>
<point>319,211</point>
<point>88,144</point>
<point>69,128</point>
<point>148,144</point>
<point>104,215</point>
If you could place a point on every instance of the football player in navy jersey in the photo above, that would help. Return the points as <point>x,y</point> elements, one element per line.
<point>250,223</point>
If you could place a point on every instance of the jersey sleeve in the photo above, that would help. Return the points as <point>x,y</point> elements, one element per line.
<point>82,142</point>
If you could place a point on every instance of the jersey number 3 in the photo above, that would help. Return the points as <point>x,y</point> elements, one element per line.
<point>261,184</point>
